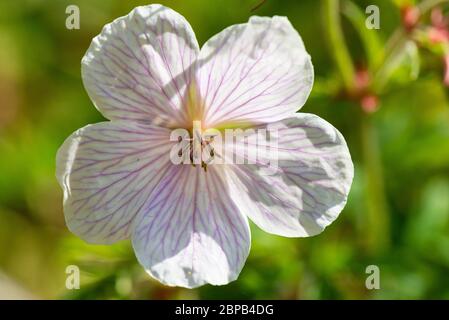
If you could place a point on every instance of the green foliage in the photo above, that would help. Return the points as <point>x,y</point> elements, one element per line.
<point>397,216</point>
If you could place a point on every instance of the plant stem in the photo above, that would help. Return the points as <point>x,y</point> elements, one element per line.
<point>377,236</point>
<point>337,43</point>
<point>395,49</point>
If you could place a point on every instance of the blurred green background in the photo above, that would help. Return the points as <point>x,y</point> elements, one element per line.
<point>383,89</point>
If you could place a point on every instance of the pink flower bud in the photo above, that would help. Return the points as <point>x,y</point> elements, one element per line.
<point>410,17</point>
<point>369,103</point>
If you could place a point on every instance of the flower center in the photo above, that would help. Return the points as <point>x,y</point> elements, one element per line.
<point>199,149</point>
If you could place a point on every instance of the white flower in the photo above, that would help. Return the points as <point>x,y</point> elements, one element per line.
<point>188,225</point>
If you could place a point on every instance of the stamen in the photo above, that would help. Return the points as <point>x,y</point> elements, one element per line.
<point>191,154</point>
<point>204,146</point>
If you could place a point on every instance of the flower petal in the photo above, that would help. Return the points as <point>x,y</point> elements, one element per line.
<point>307,188</point>
<point>140,65</point>
<point>254,72</point>
<point>107,172</point>
<point>192,233</point>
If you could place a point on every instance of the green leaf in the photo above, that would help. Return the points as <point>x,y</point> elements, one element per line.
<point>372,44</point>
